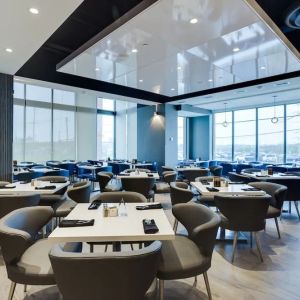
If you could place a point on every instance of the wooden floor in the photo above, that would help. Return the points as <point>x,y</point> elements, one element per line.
<point>247,278</point>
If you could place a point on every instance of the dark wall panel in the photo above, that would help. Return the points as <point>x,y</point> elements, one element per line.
<point>6,126</point>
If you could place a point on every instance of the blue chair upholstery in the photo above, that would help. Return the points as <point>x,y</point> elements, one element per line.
<point>203,164</point>
<point>227,167</point>
<point>122,167</point>
<point>115,167</point>
<point>279,169</point>
<point>240,167</point>
<point>213,163</point>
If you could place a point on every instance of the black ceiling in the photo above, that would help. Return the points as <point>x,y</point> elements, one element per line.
<point>91,17</point>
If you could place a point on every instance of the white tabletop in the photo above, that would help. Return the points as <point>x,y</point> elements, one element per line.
<point>139,175</point>
<point>114,229</point>
<point>89,167</point>
<point>232,189</point>
<point>27,188</point>
<point>259,176</point>
<point>190,168</point>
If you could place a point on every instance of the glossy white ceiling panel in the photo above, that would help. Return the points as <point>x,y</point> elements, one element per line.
<point>161,51</point>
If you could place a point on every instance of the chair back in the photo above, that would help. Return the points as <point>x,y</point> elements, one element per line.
<point>180,193</point>
<point>116,197</point>
<point>18,231</point>
<point>227,167</point>
<point>203,164</point>
<point>80,192</point>
<point>278,169</point>
<point>111,275</point>
<point>240,167</point>
<point>192,174</point>
<point>104,178</point>
<point>169,176</point>
<point>234,177</point>
<point>213,163</point>
<point>123,167</point>
<point>244,213</point>
<point>277,191</point>
<point>140,185</point>
<point>216,170</point>
<point>164,168</point>
<point>201,223</point>
<point>251,170</point>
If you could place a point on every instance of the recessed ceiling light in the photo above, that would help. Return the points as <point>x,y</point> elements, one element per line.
<point>141,80</point>
<point>97,69</point>
<point>262,68</point>
<point>194,21</point>
<point>172,89</point>
<point>179,68</point>
<point>134,50</point>
<point>210,80</point>
<point>34,11</point>
<point>9,50</point>
<point>236,49</point>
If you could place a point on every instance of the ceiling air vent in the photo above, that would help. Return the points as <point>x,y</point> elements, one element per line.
<point>292,16</point>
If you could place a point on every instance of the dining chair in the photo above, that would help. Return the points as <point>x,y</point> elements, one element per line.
<point>278,193</point>
<point>216,170</point>
<point>110,276</point>
<point>235,177</point>
<point>189,256</point>
<point>164,186</point>
<point>104,178</point>
<point>191,175</point>
<point>243,213</point>
<point>26,257</point>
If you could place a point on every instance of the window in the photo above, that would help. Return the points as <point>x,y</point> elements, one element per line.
<point>18,90</point>
<point>18,138</point>
<point>63,97</point>
<point>181,137</point>
<point>293,133</point>
<point>245,135</point>
<point>38,93</point>
<point>270,136</point>
<point>38,134</point>
<point>223,137</point>
<point>105,136</point>
<point>64,146</point>
<point>106,104</point>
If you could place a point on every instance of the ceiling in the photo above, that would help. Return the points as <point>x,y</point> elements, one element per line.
<point>160,51</point>
<point>24,33</point>
<point>287,91</point>
<point>93,17</point>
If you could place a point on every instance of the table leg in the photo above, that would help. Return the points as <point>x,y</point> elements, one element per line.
<point>116,246</point>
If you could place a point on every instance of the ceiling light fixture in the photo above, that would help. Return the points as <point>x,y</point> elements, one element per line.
<point>210,80</point>
<point>236,49</point>
<point>194,21</point>
<point>225,123</point>
<point>9,50</point>
<point>134,50</point>
<point>34,11</point>
<point>179,68</point>
<point>274,120</point>
<point>172,89</point>
<point>263,68</point>
<point>97,69</point>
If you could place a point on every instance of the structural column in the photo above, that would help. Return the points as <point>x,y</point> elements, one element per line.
<point>6,126</point>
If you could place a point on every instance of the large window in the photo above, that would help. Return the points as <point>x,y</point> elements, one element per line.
<point>18,137</point>
<point>293,133</point>
<point>181,137</point>
<point>245,135</point>
<point>105,136</point>
<point>223,136</point>
<point>38,93</point>
<point>271,135</point>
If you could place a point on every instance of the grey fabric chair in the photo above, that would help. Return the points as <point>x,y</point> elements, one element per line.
<point>140,185</point>
<point>189,256</point>
<point>104,178</point>
<point>243,213</point>
<point>278,193</point>
<point>116,197</point>
<point>165,168</point>
<point>192,174</point>
<point>25,257</point>
<point>235,177</point>
<point>9,203</point>
<point>208,200</point>
<point>109,276</point>
<point>78,193</point>
<point>180,193</point>
<point>164,187</point>
<point>50,200</point>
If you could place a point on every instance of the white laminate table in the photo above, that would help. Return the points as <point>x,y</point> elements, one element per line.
<point>114,229</point>
<point>232,189</point>
<point>139,175</point>
<point>27,188</point>
<point>259,176</point>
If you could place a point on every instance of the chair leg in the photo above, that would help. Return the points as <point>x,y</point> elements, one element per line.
<point>175,225</point>
<point>290,207</point>
<point>91,248</point>
<point>25,288</point>
<point>277,227</point>
<point>161,289</point>
<point>297,209</point>
<point>195,281</point>
<point>131,246</point>
<point>251,239</point>
<point>106,247</point>
<point>12,290</point>
<point>236,233</point>
<point>258,246</point>
<point>207,285</point>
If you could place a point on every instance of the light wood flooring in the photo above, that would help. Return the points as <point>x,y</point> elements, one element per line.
<point>278,277</point>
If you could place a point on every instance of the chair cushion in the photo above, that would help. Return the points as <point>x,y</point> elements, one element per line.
<point>181,258</point>
<point>35,264</point>
<point>273,212</point>
<point>63,208</point>
<point>162,188</point>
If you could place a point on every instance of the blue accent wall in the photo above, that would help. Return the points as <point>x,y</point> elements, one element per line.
<point>200,137</point>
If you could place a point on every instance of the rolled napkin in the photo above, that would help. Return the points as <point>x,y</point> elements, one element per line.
<point>212,189</point>
<point>150,175</point>
<point>150,226</point>
<point>149,206</point>
<point>262,175</point>
<point>76,223</point>
<point>58,181</point>
<point>251,189</point>
<point>47,187</point>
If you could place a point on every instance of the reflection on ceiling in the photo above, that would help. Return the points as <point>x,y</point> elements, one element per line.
<point>287,91</point>
<point>177,47</point>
